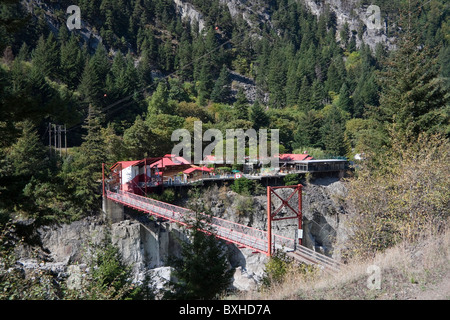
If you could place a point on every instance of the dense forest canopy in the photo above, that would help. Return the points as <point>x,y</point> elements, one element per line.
<point>328,92</point>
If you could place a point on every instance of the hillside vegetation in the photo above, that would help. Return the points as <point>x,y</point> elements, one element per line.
<point>136,71</point>
<point>407,272</point>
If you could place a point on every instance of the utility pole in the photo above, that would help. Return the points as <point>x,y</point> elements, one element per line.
<point>65,139</point>
<point>50,138</point>
<point>59,140</point>
<point>54,126</point>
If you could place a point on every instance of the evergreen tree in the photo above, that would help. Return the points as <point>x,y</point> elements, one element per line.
<point>276,79</point>
<point>203,271</point>
<point>308,132</point>
<point>46,56</point>
<point>334,80</point>
<point>159,102</point>
<point>292,84</point>
<point>352,44</point>
<point>345,102</point>
<point>222,90</point>
<point>27,155</point>
<point>317,94</point>
<point>332,132</point>
<point>100,63</point>
<point>344,34</point>
<point>90,85</point>
<point>413,97</point>
<point>71,62</point>
<point>258,116</point>
<point>184,57</point>
<point>304,103</point>
<point>241,105</point>
<point>86,177</point>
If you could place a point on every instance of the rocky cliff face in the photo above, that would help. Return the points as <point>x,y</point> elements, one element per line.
<point>322,203</point>
<point>355,14</point>
<point>323,208</point>
<point>146,244</point>
<point>255,12</point>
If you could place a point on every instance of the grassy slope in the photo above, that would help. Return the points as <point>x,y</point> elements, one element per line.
<point>408,271</point>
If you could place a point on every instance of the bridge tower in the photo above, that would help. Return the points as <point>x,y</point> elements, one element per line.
<point>285,203</point>
<point>114,211</point>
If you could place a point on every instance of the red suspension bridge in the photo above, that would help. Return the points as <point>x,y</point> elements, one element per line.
<point>259,241</point>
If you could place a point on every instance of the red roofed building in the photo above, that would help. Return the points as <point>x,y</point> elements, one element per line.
<point>195,173</point>
<point>135,176</point>
<point>172,168</point>
<point>291,162</point>
<point>292,157</point>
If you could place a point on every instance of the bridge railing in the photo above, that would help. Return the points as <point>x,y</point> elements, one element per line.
<point>225,229</point>
<point>319,258</point>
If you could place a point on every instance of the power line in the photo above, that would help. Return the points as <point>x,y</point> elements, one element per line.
<point>112,105</point>
<point>236,38</point>
<point>57,138</point>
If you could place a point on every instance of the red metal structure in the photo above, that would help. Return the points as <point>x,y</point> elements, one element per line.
<point>243,236</point>
<point>229,231</point>
<point>272,214</point>
<point>134,176</point>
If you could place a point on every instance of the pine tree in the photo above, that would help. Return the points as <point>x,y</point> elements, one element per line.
<point>344,34</point>
<point>334,80</point>
<point>90,85</point>
<point>332,132</point>
<point>184,57</point>
<point>71,65</point>
<point>317,94</point>
<point>86,177</point>
<point>276,79</point>
<point>292,84</point>
<point>345,102</point>
<point>46,56</point>
<point>204,84</point>
<point>203,271</point>
<point>413,96</point>
<point>100,63</point>
<point>258,116</point>
<point>144,71</point>
<point>241,105</point>
<point>222,90</point>
<point>304,95</point>
<point>27,154</point>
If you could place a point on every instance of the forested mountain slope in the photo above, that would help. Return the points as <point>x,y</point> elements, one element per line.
<point>136,71</point>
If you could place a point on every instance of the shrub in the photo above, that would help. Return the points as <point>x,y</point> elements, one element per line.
<point>168,196</point>
<point>279,265</point>
<point>243,186</point>
<point>244,205</point>
<point>291,179</point>
<point>400,195</point>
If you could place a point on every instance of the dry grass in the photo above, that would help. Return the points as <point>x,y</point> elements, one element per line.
<point>408,271</point>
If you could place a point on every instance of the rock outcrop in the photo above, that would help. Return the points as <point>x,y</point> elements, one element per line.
<point>146,244</point>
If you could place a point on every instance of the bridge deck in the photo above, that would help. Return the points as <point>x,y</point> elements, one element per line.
<point>239,234</point>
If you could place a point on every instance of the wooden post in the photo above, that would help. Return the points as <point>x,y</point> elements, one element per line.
<point>103,179</point>
<point>145,172</point>
<point>269,222</point>
<point>300,228</point>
